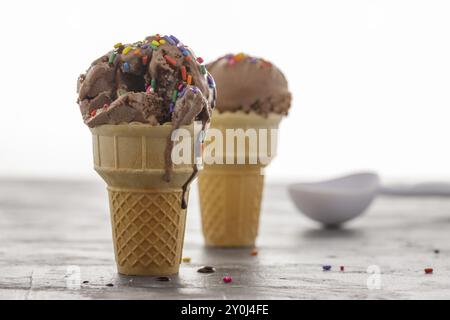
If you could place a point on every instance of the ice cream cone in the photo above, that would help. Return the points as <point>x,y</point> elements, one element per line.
<point>147,219</point>
<point>231,194</point>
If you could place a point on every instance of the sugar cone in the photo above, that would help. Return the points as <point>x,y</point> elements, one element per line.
<point>231,194</point>
<point>147,220</point>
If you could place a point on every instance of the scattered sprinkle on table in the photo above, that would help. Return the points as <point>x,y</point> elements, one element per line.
<point>342,268</point>
<point>206,269</point>
<point>85,282</point>
<point>326,267</point>
<point>428,270</point>
<point>227,279</point>
<point>254,252</point>
<point>186,259</point>
<point>109,285</point>
<point>437,251</point>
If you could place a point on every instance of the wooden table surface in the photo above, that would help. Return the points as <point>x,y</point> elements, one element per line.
<point>56,234</point>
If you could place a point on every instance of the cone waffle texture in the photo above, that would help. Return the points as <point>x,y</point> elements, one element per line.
<point>231,194</point>
<point>147,220</point>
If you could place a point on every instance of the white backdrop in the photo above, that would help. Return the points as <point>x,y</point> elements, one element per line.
<point>370,79</point>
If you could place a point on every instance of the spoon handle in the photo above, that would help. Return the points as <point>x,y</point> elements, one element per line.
<point>432,189</point>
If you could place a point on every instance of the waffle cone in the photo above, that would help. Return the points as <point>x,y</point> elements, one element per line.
<point>147,220</point>
<point>231,194</point>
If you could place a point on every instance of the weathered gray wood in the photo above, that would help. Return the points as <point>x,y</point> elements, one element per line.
<point>47,226</point>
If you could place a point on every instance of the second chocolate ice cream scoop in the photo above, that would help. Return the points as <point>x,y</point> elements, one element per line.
<point>246,83</point>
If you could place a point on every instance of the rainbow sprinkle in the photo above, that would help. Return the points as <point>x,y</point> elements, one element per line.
<point>211,82</point>
<point>239,57</point>
<point>169,40</point>
<point>170,60</point>
<point>153,84</point>
<point>183,73</point>
<point>144,60</point>
<point>189,79</point>
<point>174,95</point>
<point>181,94</point>
<point>155,43</point>
<point>118,45</point>
<point>200,60</point>
<point>184,51</point>
<point>326,267</point>
<point>112,57</point>
<point>227,279</point>
<point>127,49</point>
<point>126,67</point>
<point>175,39</point>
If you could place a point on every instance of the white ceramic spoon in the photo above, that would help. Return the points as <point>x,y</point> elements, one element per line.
<point>336,201</point>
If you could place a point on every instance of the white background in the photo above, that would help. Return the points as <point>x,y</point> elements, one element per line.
<point>370,79</point>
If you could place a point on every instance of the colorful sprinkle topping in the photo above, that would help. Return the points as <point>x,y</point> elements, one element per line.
<point>186,259</point>
<point>184,51</point>
<point>174,95</point>
<point>211,82</point>
<point>326,267</point>
<point>127,49</point>
<point>169,40</point>
<point>183,73</point>
<point>170,60</point>
<point>428,270</point>
<point>227,279</point>
<point>186,64</point>
<point>126,67</point>
<point>175,39</point>
<point>232,59</point>
<point>112,57</point>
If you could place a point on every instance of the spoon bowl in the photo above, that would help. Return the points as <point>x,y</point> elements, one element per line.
<point>336,201</point>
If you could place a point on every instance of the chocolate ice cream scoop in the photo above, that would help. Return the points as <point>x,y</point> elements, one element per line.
<point>142,82</point>
<point>245,83</point>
